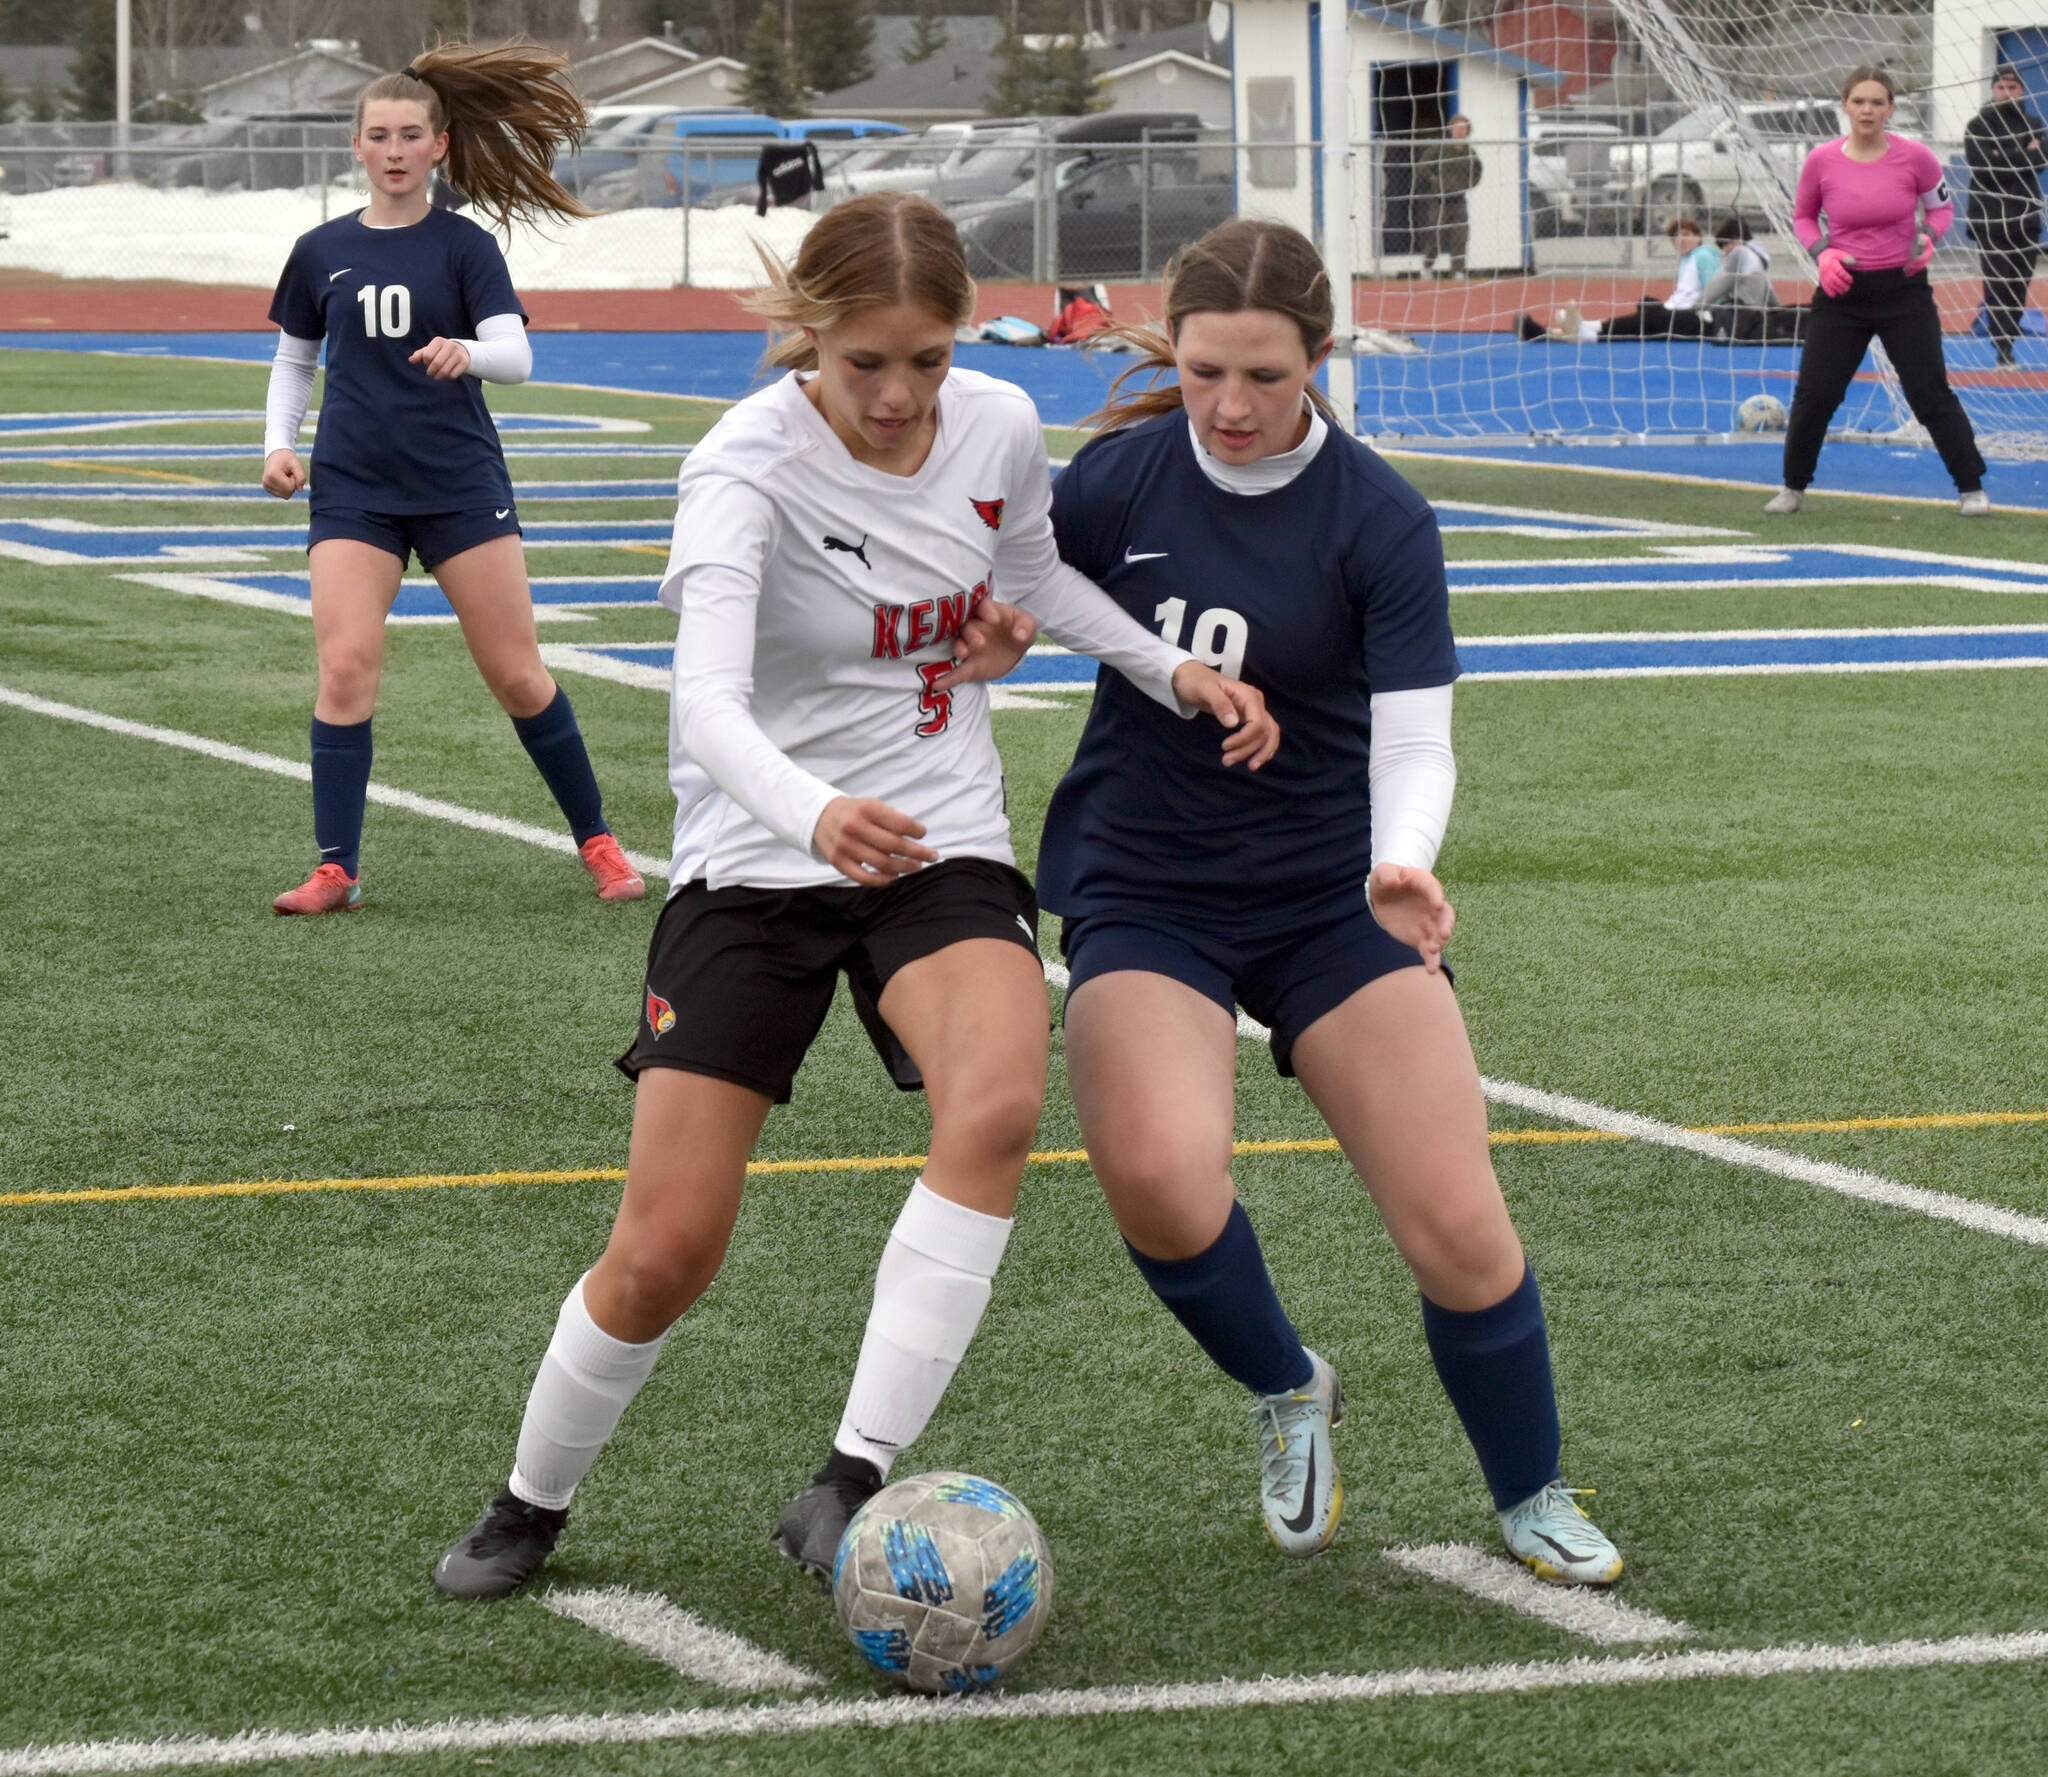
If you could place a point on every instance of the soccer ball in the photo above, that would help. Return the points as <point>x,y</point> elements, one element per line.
<point>1761,413</point>
<point>943,1582</point>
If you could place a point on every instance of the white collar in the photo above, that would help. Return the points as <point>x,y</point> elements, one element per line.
<point>1267,474</point>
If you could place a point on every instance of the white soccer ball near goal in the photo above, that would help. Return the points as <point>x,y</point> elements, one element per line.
<point>943,1582</point>
<point>1761,413</point>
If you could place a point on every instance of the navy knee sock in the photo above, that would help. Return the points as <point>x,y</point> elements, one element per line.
<point>1225,1299</point>
<point>1495,1366</point>
<point>341,779</point>
<point>555,745</point>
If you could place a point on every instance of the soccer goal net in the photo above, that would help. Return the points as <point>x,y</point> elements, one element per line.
<point>1682,112</point>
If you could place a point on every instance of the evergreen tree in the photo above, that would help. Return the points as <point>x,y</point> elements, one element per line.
<point>36,21</point>
<point>928,34</point>
<point>42,102</point>
<point>774,83</point>
<point>838,38</point>
<point>1052,82</point>
<point>92,68</point>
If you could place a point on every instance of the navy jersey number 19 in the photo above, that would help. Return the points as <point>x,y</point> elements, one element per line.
<point>1219,638</point>
<point>391,306</point>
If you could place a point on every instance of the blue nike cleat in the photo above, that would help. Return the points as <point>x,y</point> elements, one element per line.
<point>1298,1484</point>
<point>1550,1534</point>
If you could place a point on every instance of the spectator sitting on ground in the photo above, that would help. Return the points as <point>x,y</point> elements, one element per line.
<point>1739,301</point>
<point>1676,316</point>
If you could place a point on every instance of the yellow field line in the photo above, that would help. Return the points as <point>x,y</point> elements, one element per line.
<point>124,469</point>
<point>442,1181</point>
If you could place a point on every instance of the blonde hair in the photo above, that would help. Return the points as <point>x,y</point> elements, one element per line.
<point>508,112</point>
<point>1857,76</point>
<point>870,252</point>
<point>1235,266</point>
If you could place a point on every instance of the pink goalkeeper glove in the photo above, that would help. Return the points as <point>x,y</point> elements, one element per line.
<point>1923,255</point>
<point>1834,270</point>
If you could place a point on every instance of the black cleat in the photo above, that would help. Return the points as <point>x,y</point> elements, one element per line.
<point>811,1525</point>
<point>501,1551</point>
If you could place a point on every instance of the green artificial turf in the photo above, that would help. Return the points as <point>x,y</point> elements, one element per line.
<point>235,1430</point>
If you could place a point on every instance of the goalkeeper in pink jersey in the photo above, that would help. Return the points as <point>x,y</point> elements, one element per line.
<point>1879,202</point>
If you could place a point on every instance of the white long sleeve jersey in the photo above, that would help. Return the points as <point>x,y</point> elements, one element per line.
<point>820,597</point>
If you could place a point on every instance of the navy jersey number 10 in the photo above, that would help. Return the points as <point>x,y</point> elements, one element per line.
<point>388,310</point>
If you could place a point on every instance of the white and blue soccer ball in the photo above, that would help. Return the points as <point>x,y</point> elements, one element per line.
<point>1761,413</point>
<point>943,1582</point>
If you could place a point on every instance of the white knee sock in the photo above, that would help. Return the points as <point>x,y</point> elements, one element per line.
<point>587,1379</point>
<point>930,1289</point>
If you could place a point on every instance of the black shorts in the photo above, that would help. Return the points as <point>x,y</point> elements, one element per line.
<point>739,979</point>
<point>1286,979</point>
<point>434,537</point>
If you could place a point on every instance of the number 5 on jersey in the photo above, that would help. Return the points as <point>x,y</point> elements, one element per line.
<point>390,306</point>
<point>1219,637</point>
<point>934,705</point>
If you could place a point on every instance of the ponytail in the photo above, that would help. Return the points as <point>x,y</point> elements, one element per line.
<point>507,112</point>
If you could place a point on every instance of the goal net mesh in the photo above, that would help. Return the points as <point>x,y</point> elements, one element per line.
<point>1697,108</point>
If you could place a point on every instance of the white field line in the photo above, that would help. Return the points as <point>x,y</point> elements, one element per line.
<point>1848,1180</point>
<point>1749,635</point>
<point>1603,527</point>
<point>1781,669</point>
<point>1787,583</point>
<point>566,657</point>
<point>810,1717</point>
<point>384,794</point>
<point>681,1639</point>
<point>1468,458</point>
<point>233,592</point>
<point>1578,1610</point>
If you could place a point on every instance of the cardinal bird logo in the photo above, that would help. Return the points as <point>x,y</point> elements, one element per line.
<point>661,1016</point>
<point>991,511</point>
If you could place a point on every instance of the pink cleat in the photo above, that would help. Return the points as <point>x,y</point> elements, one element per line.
<point>616,879</point>
<point>330,889</point>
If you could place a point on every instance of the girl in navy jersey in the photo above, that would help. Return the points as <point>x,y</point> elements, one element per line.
<point>1227,512</point>
<point>415,308</point>
<point>839,809</point>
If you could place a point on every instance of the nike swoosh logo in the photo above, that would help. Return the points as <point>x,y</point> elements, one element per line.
<point>1148,555</point>
<point>1298,1525</point>
<point>345,270</point>
<point>501,514</point>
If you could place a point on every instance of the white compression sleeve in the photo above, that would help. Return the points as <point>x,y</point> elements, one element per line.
<point>1413,773</point>
<point>1069,606</point>
<point>713,694</point>
<point>501,352</point>
<point>931,1287</point>
<point>586,1381</point>
<point>291,392</point>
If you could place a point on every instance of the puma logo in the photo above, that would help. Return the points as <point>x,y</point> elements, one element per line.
<point>859,550</point>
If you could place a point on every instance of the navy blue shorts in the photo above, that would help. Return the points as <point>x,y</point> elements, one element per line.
<point>434,537</point>
<point>1285,979</point>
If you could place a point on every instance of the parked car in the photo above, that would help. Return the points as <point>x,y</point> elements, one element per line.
<point>618,136</point>
<point>1568,173</point>
<point>1117,212</point>
<point>1012,160</point>
<point>932,161</point>
<point>832,134</point>
<point>1692,165</point>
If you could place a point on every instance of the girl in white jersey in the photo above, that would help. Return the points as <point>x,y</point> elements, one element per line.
<point>839,806</point>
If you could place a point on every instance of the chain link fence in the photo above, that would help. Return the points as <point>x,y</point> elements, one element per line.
<point>222,203</point>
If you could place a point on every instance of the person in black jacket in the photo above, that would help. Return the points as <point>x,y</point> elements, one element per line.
<point>2007,148</point>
